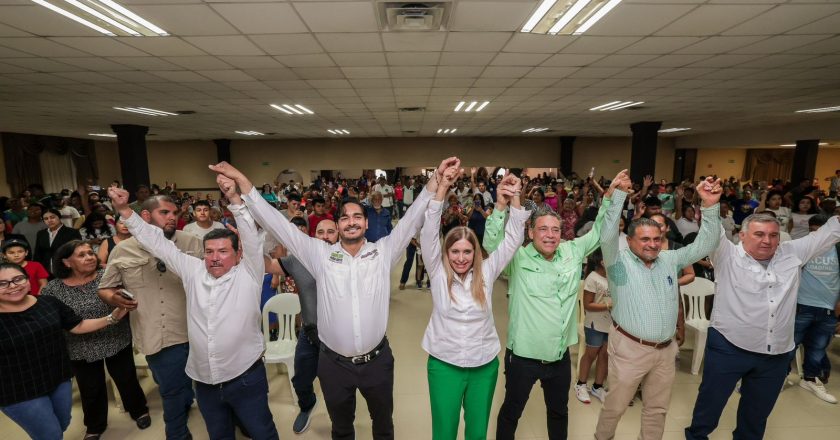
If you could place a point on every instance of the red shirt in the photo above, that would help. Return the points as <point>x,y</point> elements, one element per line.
<point>398,193</point>
<point>314,220</point>
<point>36,272</point>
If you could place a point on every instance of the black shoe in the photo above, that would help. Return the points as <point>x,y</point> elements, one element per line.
<point>92,436</point>
<point>143,421</point>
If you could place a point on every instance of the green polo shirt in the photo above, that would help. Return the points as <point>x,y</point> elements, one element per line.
<point>646,299</point>
<point>543,293</point>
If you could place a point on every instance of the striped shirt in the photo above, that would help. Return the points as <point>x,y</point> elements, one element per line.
<point>645,299</point>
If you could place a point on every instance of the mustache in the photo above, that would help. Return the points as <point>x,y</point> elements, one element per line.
<point>215,264</point>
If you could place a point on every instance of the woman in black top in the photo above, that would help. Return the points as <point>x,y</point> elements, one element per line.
<point>50,239</point>
<point>77,282</point>
<point>35,373</point>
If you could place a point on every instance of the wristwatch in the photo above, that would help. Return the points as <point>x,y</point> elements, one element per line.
<point>110,318</point>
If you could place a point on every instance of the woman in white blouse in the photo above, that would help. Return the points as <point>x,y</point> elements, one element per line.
<point>461,337</point>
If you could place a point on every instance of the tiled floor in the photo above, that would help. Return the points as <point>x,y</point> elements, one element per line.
<point>797,414</point>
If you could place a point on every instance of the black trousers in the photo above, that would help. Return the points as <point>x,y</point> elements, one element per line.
<point>520,376</point>
<point>90,376</point>
<point>375,380</point>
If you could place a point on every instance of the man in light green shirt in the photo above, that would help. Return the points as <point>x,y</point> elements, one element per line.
<point>543,289</point>
<point>646,298</point>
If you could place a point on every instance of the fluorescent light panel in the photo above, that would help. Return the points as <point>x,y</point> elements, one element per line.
<point>250,133</point>
<point>820,110</point>
<point>107,135</point>
<point>567,17</point>
<point>295,109</point>
<point>146,111</point>
<point>616,105</point>
<point>446,130</point>
<point>673,130</point>
<point>338,131</point>
<point>470,105</point>
<point>535,130</point>
<point>104,16</point>
<point>822,144</point>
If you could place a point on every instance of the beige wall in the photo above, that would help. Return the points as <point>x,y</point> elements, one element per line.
<point>607,155</point>
<point>717,161</point>
<point>664,160</point>
<point>184,162</point>
<point>108,162</point>
<point>5,190</point>
<point>828,160</point>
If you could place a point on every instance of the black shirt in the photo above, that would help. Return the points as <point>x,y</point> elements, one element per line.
<point>33,354</point>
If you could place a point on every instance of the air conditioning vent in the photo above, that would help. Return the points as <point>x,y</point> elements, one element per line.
<point>427,16</point>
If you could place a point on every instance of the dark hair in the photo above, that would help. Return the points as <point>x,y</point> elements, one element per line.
<point>153,202</point>
<point>8,244</point>
<point>293,197</point>
<point>15,267</point>
<point>92,217</point>
<point>813,209</point>
<point>354,201</point>
<point>63,252</point>
<point>219,233</point>
<point>317,200</point>
<point>298,221</point>
<point>652,201</point>
<point>817,220</point>
<point>594,261</point>
<point>52,211</point>
<point>202,203</point>
<point>638,223</point>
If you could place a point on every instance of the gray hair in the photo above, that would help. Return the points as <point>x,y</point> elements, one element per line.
<point>153,202</point>
<point>641,222</point>
<point>542,212</point>
<point>761,217</point>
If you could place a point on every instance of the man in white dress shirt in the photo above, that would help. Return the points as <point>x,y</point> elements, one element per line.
<point>223,309</point>
<point>751,330</point>
<point>354,291</point>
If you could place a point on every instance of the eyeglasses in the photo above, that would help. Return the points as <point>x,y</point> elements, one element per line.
<point>160,266</point>
<point>20,279</point>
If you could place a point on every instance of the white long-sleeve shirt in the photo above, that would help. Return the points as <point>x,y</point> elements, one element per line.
<point>223,314</point>
<point>461,332</point>
<point>755,306</point>
<point>353,291</point>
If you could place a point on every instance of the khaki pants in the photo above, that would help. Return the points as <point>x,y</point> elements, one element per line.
<point>631,363</point>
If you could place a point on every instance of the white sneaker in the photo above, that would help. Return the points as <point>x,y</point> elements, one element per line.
<point>818,389</point>
<point>598,393</point>
<point>582,393</point>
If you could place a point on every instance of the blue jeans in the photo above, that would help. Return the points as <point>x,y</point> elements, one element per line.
<point>246,397</point>
<point>176,390</point>
<point>306,369</point>
<point>409,261</point>
<point>814,329</point>
<point>45,417</point>
<point>761,376</point>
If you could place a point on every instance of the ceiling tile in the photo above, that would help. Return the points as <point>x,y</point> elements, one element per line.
<point>348,42</point>
<point>413,72</point>
<point>365,72</point>
<point>185,20</point>
<point>179,76</point>
<point>783,18</point>
<point>94,63</point>
<point>551,72</point>
<point>724,60</point>
<point>519,59</point>
<point>288,44</point>
<point>413,58</point>
<point>359,59</point>
<point>828,46</point>
<point>716,45</point>
<point>712,19</point>
<point>505,72</point>
<point>163,46</point>
<point>593,45</point>
<point>413,42</point>
<point>490,16</point>
<point>252,62</point>
<point>621,60</point>
<point>198,63</point>
<point>319,72</point>
<point>329,83</point>
<point>41,47</point>
<point>674,60</point>
<point>466,58</point>
<point>338,16</point>
<point>145,63</point>
<point>571,60</point>
<point>310,60</point>
<point>458,71</point>
<point>99,46</point>
<point>225,75</point>
<point>640,20</point>
<point>42,65</point>
<point>261,18</point>
<point>476,41</point>
<point>271,74</point>
<point>41,21</point>
<point>225,45</point>
<point>535,43</point>
<point>659,45</point>
<point>780,43</point>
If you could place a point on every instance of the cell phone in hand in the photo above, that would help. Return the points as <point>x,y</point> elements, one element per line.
<point>125,294</point>
<point>96,188</point>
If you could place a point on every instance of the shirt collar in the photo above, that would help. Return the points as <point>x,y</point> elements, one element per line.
<point>532,252</point>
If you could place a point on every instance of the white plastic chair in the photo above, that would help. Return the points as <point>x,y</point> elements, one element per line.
<point>694,307</point>
<point>282,351</point>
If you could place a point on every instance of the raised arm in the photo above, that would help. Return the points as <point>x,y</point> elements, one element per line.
<point>816,243</point>
<point>306,249</point>
<point>430,232</point>
<point>604,231</point>
<point>514,230</point>
<point>252,246</point>
<point>494,225</point>
<point>709,236</point>
<point>152,238</point>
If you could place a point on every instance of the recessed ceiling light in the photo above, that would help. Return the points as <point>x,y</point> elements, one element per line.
<point>104,16</point>
<point>107,135</point>
<point>822,144</point>
<point>673,130</point>
<point>569,17</point>
<point>338,131</point>
<point>471,105</point>
<point>146,111</point>
<point>820,110</point>
<point>296,109</point>
<point>616,105</point>
<point>250,133</point>
<point>535,130</point>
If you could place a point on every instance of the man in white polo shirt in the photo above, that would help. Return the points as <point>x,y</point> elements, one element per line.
<point>203,224</point>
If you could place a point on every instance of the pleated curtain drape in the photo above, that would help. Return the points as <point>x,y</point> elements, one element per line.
<point>23,158</point>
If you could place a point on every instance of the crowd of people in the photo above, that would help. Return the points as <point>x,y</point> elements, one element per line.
<point>194,270</point>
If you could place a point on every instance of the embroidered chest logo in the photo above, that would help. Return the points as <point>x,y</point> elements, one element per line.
<point>370,255</point>
<point>336,257</point>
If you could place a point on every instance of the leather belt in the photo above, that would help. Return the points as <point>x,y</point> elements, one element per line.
<point>358,360</point>
<point>657,345</point>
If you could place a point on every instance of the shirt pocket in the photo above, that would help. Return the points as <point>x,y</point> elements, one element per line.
<point>132,270</point>
<point>337,280</point>
<point>369,276</point>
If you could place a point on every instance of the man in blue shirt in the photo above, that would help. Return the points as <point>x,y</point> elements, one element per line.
<point>378,217</point>
<point>816,315</point>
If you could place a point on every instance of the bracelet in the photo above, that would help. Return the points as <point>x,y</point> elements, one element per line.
<point>110,318</point>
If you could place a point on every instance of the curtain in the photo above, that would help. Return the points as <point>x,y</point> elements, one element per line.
<point>57,172</point>
<point>767,164</point>
<point>23,158</point>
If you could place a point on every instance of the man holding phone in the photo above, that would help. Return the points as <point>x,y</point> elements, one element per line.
<point>159,310</point>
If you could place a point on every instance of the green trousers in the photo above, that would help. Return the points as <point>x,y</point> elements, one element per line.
<point>450,387</point>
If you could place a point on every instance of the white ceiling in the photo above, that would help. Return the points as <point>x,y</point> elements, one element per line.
<point>712,65</point>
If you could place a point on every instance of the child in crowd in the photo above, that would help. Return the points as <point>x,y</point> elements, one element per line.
<point>16,251</point>
<point>596,326</point>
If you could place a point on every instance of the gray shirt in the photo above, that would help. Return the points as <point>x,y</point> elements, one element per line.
<point>307,290</point>
<point>29,230</point>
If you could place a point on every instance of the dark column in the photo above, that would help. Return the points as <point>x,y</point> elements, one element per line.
<point>804,160</point>
<point>643,152</point>
<point>134,162</point>
<point>222,150</point>
<point>567,143</point>
<point>685,162</point>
